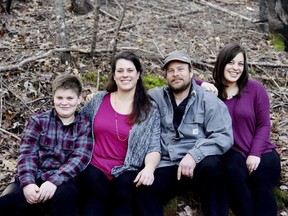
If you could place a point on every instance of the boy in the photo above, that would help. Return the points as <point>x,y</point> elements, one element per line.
<point>55,147</point>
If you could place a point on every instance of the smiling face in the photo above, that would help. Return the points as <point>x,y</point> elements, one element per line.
<point>234,69</point>
<point>65,103</point>
<point>126,75</point>
<point>178,76</point>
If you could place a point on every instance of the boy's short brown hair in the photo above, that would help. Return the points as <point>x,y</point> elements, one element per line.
<point>67,81</point>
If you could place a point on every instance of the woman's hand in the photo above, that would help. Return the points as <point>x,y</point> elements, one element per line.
<point>145,177</point>
<point>89,97</point>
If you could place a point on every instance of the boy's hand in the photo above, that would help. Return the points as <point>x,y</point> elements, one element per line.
<point>47,191</point>
<point>186,167</point>
<point>31,193</point>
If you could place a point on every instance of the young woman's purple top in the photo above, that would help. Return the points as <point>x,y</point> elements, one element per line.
<point>250,115</point>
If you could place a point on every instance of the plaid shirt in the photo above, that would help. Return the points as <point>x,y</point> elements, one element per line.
<point>52,151</point>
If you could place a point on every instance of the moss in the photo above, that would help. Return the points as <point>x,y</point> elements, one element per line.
<point>170,208</point>
<point>281,198</point>
<point>151,81</point>
<point>277,41</point>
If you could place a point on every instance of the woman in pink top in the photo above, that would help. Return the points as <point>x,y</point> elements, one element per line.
<point>252,164</point>
<point>126,131</point>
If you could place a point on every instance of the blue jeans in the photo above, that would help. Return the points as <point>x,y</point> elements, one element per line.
<point>207,182</point>
<point>63,203</point>
<point>253,194</point>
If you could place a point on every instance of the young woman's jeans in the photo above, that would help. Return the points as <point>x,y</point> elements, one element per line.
<point>207,182</point>
<point>63,203</point>
<point>252,194</point>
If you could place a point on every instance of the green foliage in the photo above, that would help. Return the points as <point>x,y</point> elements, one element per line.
<point>252,72</point>
<point>151,81</point>
<point>277,41</point>
<point>281,198</point>
<point>90,77</point>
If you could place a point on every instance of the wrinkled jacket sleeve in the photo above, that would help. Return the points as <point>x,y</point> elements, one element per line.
<point>218,131</point>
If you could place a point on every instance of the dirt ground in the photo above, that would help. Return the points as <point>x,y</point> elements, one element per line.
<point>152,28</point>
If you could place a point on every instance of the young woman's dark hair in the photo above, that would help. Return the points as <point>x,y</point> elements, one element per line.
<point>141,103</point>
<point>224,57</point>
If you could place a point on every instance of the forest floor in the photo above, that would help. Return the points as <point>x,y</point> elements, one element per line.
<point>29,58</point>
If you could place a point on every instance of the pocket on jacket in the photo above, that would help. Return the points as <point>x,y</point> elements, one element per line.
<point>194,119</point>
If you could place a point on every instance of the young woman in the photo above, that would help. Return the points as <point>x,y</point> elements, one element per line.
<point>126,130</point>
<point>252,165</point>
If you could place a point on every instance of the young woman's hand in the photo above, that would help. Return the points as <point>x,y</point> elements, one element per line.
<point>210,87</point>
<point>252,163</point>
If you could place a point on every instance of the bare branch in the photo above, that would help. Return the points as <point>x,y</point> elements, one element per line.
<point>11,134</point>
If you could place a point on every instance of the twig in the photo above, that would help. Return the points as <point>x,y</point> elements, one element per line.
<point>38,99</point>
<point>224,10</point>
<point>107,14</point>
<point>158,49</point>
<point>85,51</point>
<point>98,80</point>
<point>268,64</point>
<point>9,89</point>
<point>11,134</point>
<point>273,80</point>
<point>119,5</point>
<point>1,98</point>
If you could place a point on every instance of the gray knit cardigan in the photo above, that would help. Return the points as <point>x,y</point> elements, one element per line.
<point>144,137</point>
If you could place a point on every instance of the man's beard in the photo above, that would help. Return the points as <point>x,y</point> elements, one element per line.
<point>181,88</point>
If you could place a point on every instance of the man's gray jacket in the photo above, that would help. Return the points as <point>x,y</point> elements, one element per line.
<point>205,129</point>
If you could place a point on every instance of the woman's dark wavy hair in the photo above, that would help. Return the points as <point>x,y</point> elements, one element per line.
<point>141,104</point>
<point>225,55</point>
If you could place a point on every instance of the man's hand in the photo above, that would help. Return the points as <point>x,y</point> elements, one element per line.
<point>145,177</point>
<point>209,87</point>
<point>31,193</point>
<point>186,167</point>
<point>47,190</point>
<point>252,163</point>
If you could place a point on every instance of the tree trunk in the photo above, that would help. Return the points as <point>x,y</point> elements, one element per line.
<point>63,40</point>
<point>276,13</point>
<point>81,7</point>
<point>95,28</point>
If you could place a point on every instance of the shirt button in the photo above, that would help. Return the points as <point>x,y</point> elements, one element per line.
<point>170,150</point>
<point>199,158</point>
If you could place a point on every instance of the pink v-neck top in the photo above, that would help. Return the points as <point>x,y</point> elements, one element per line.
<point>109,151</point>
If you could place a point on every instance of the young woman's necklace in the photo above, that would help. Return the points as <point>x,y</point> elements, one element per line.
<point>116,123</point>
<point>232,92</point>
